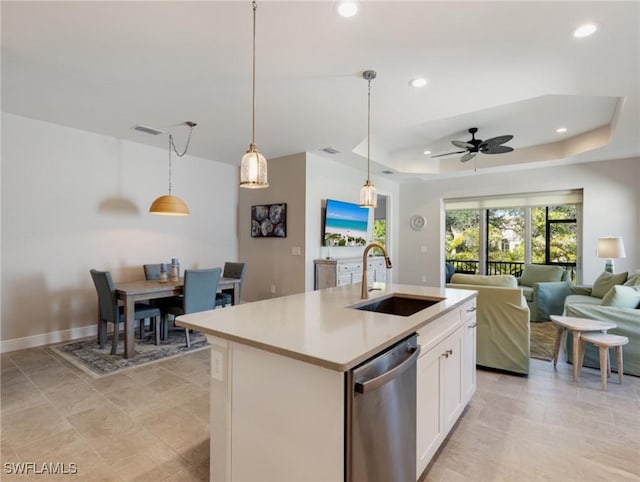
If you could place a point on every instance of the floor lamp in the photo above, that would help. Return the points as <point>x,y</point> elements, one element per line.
<point>610,247</point>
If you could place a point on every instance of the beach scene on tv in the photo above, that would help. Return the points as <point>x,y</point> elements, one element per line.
<point>345,224</point>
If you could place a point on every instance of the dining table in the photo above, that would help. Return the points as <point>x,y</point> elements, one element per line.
<point>131,291</point>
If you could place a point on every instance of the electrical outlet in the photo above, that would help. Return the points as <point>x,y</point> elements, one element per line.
<point>273,289</point>
<point>217,365</point>
<point>423,249</point>
<point>424,278</point>
<point>296,251</point>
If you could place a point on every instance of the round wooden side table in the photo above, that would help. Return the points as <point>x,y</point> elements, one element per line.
<point>577,326</point>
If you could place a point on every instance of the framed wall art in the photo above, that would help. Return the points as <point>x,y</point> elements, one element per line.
<point>269,221</point>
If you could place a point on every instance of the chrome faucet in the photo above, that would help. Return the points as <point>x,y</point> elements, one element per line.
<point>387,262</point>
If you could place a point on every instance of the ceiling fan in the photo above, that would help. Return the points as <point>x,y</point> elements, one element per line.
<point>473,146</point>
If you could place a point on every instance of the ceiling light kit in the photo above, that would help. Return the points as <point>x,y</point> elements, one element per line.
<point>347,8</point>
<point>418,82</point>
<point>561,130</point>
<point>368,193</point>
<point>585,30</point>
<point>170,205</point>
<point>473,146</point>
<point>253,167</point>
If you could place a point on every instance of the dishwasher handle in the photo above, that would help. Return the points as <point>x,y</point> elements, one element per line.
<point>386,376</point>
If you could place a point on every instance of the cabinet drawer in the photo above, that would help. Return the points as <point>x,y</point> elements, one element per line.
<point>349,267</point>
<point>469,309</point>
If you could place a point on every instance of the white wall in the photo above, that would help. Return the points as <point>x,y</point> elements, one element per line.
<point>74,200</point>
<point>611,207</point>
<point>333,180</point>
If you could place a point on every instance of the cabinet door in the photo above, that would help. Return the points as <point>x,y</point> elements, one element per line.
<point>451,381</point>
<point>429,427</point>
<point>469,358</point>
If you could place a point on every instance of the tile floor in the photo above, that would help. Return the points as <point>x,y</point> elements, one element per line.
<point>151,423</point>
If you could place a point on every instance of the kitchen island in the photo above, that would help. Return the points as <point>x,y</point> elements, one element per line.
<point>278,371</point>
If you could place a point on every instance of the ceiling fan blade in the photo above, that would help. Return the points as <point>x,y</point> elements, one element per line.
<point>462,144</point>
<point>494,141</point>
<point>497,150</point>
<point>468,156</point>
<point>448,154</point>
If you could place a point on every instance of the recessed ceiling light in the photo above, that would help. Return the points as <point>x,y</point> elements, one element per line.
<point>418,82</point>
<point>561,130</point>
<point>585,30</point>
<point>426,153</point>
<point>347,8</point>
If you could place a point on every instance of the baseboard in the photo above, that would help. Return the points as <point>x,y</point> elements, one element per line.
<point>47,338</point>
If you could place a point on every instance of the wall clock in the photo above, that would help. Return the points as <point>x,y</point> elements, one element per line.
<point>417,222</point>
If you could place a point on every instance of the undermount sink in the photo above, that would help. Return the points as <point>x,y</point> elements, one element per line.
<point>399,305</point>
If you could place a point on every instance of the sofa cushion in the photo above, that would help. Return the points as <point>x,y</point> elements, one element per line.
<point>503,280</point>
<point>527,291</point>
<point>605,281</point>
<point>537,273</point>
<point>581,299</point>
<point>622,297</point>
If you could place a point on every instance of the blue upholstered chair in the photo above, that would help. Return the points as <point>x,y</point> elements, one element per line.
<point>200,286</point>
<point>111,312</point>
<point>231,270</point>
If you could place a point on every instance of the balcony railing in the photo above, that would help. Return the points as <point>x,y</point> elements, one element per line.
<point>501,267</point>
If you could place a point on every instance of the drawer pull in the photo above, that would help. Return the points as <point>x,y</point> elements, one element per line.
<point>472,309</point>
<point>475,323</point>
<point>447,353</point>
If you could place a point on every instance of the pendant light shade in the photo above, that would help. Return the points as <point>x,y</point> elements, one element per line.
<point>168,204</point>
<point>253,167</point>
<point>368,193</point>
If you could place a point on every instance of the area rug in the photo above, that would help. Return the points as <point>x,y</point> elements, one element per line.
<point>543,339</point>
<point>87,355</point>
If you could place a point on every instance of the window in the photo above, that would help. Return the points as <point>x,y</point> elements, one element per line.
<point>497,235</point>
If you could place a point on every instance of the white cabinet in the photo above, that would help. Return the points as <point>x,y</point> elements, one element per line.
<point>445,381</point>
<point>345,271</point>
<point>439,396</point>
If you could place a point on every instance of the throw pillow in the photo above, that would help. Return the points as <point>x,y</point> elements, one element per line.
<point>605,281</point>
<point>540,273</point>
<point>633,279</point>
<point>622,297</point>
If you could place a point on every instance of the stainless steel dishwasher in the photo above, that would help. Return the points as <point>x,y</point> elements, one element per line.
<point>381,416</point>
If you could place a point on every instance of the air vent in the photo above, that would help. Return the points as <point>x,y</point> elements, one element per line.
<point>387,171</point>
<point>330,150</point>
<point>148,130</point>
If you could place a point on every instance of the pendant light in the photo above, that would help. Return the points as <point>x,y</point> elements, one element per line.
<point>368,193</point>
<point>170,205</point>
<point>253,167</point>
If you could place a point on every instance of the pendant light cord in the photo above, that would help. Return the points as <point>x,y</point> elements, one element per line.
<point>172,147</point>
<point>368,129</point>
<point>253,125</point>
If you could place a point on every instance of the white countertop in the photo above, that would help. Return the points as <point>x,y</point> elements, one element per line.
<point>319,327</point>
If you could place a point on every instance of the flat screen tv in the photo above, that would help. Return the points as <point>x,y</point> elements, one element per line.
<point>345,224</point>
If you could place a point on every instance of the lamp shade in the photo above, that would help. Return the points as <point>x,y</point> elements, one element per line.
<point>169,205</point>
<point>610,247</point>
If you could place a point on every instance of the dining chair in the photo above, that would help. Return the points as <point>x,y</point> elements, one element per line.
<point>151,271</point>
<point>200,286</point>
<point>231,270</point>
<point>111,312</point>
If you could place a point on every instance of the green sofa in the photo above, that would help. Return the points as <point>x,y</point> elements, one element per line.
<point>582,304</point>
<point>503,335</point>
<point>545,288</point>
